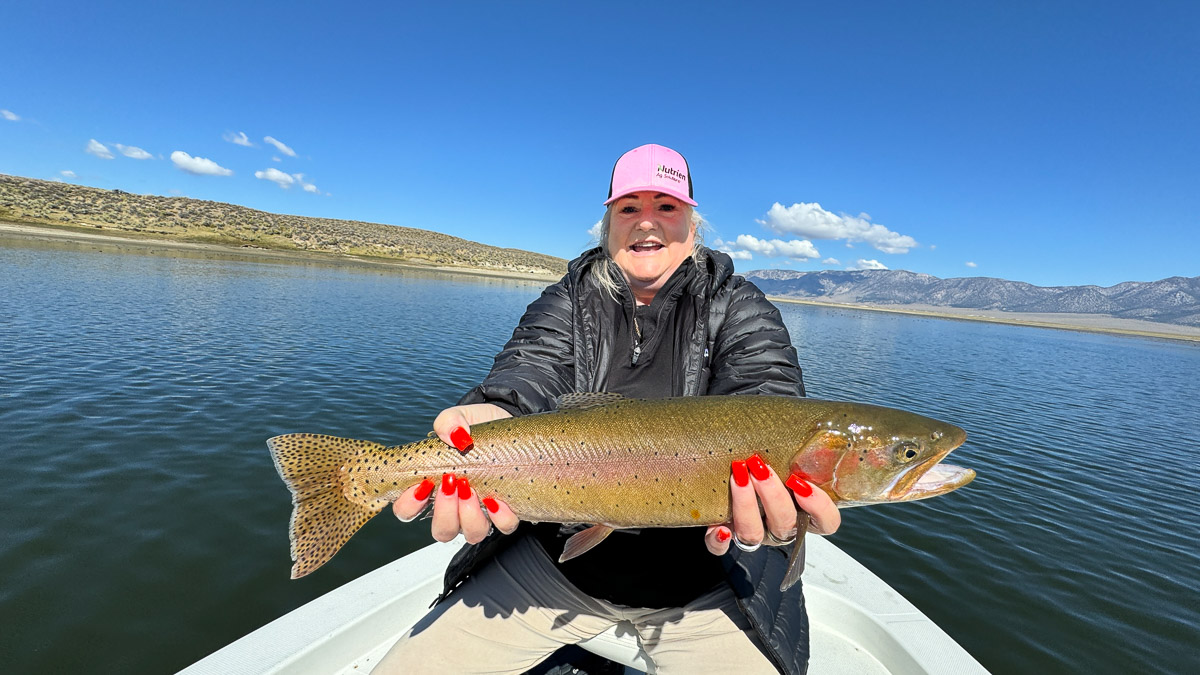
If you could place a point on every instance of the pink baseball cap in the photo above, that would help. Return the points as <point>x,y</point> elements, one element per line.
<point>652,168</point>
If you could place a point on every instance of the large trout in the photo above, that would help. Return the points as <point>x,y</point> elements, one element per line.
<point>623,463</point>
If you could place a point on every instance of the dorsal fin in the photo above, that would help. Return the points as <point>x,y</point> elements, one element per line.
<point>590,399</point>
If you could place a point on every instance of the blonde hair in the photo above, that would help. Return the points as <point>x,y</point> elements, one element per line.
<point>607,273</point>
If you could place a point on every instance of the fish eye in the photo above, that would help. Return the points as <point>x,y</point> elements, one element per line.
<point>907,451</point>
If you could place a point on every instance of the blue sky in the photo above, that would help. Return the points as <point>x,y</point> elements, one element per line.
<point>1051,142</point>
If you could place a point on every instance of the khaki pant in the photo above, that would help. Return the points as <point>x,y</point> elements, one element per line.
<point>519,609</point>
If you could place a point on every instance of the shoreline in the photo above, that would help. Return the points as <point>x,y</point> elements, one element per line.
<point>125,242</point>
<point>1087,323</point>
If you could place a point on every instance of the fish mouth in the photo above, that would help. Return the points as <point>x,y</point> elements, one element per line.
<point>932,478</point>
<point>938,480</point>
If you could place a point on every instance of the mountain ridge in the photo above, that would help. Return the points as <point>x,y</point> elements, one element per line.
<point>1174,300</point>
<point>34,201</point>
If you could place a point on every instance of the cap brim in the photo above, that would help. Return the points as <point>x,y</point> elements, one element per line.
<point>652,188</point>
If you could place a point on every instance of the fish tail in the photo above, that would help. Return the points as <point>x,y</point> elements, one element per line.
<point>323,519</point>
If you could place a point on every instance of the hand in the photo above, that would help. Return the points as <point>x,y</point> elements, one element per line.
<point>456,505</point>
<point>753,481</point>
<point>450,421</point>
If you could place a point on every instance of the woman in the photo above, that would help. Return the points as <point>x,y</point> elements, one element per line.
<point>651,313</point>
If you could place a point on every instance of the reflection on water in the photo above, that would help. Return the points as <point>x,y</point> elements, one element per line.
<point>147,527</point>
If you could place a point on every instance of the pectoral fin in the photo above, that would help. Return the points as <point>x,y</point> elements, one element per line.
<point>582,542</point>
<point>796,561</point>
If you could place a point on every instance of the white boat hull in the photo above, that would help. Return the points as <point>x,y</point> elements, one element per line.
<point>858,624</point>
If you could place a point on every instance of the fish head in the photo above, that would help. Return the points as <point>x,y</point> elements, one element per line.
<point>870,455</point>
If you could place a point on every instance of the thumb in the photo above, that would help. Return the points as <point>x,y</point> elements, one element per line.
<point>453,428</point>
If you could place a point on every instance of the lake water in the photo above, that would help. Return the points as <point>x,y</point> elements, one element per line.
<point>144,525</point>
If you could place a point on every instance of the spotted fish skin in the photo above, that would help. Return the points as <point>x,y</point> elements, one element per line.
<point>618,462</point>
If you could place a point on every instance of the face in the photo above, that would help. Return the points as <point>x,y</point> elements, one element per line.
<point>649,235</point>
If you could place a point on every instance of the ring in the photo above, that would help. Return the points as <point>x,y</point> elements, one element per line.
<point>772,540</point>
<point>745,547</point>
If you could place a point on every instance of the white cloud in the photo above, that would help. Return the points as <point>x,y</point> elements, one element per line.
<point>276,176</point>
<point>276,159</point>
<point>10,115</point>
<point>867,265</point>
<point>308,187</point>
<point>971,264</point>
<point>594,231</point>
<point>810,220</point>
<point>280,146</point>
<point>718,245</point>
<point>831,261</point>
<point>95,147</point>
<point>133,151</point>
<point>198,165</point>
<point>240,138</point>
<point>286,181</point>
<point>67,173</point>
<point>796,249</point>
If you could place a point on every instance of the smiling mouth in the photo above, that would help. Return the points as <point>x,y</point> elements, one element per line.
<point>646,247</point>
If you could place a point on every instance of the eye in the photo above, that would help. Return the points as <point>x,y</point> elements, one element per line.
<point>628,209</point>
<point>666,207</point>
<point>906,451</point>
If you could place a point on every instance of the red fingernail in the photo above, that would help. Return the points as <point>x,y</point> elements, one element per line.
<point>723,534</point>
<point>464,489</point>
<point>740,476</point>
<point>461,439</point>
<point>798,485</point>
<point>423,490</point>
<point>490,504</point>
<point>448,484</point>
<point>758,468</point>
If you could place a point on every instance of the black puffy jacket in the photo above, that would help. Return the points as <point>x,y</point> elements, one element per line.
<point>738,345</point>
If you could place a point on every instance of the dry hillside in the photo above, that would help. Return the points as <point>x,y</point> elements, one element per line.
<point>27,200</point>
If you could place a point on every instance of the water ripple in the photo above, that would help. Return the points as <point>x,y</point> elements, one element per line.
<point>136,393</point>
